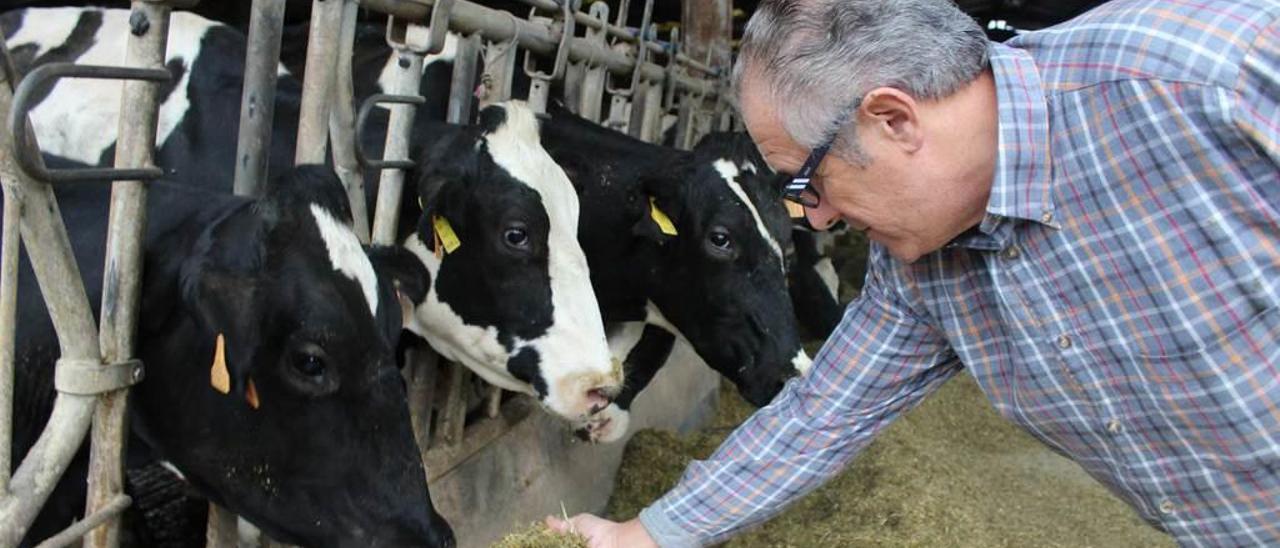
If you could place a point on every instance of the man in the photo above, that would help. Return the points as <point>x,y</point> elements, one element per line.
<point>1086,220</point>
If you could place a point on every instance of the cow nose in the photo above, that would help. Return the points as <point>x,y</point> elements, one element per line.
<point>600,397</point>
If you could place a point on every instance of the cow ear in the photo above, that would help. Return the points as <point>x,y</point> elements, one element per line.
<point>227,310</point>
<point>404,280</point>
<point>662,210</point>
<point>656,224</point>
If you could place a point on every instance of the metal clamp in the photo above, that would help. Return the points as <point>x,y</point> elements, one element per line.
<point>642,52</point>
<point>562,50</point>
<point>365,108</point>
<point>90,377</point>
<point>25,150</point>
<point>673,51</point>
<point>438,29</point>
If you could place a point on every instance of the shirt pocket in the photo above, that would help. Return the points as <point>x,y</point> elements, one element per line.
<point>1220,404</point>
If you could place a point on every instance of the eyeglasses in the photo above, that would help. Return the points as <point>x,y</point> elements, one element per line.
<point>800,190</point>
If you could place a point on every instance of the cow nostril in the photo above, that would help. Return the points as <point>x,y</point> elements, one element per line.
<point>600,398</point>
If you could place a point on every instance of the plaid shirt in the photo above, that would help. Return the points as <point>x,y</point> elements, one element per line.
<point>1120,301</point>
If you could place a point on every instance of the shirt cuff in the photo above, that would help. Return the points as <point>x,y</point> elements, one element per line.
<point>666,533</point>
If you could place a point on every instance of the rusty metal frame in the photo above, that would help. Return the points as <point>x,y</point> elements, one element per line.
<point>101,413</point>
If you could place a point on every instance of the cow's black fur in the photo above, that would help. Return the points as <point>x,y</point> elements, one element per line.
<point>328,458</point>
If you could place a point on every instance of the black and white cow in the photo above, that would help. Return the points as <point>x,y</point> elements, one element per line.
<point>268,334</point>
<point>691,245</point>
<point>812,280</point>
<point>513,302</point>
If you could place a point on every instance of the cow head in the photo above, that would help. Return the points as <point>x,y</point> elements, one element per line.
<point>721,278</point>
<point>511,294</point>
<point>274,388</point>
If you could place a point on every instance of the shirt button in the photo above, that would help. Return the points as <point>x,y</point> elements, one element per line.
<point>1010,253</point>
<point>1064,342</point>
<point>1113,426</point>
<point>1166,506</point>
<point>1046,217</point>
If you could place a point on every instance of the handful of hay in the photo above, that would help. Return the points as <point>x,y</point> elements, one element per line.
<point>539,536</point>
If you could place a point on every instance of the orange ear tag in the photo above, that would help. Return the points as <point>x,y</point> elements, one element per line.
<point>251,395</point>
<point>663,221</point>
<point>219,379</point>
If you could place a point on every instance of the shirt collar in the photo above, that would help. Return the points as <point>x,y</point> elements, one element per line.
<point>1020,189</point>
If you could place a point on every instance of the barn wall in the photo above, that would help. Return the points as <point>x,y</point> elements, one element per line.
<point>538,464</point>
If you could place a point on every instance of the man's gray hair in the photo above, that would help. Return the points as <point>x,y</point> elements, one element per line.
<point>817,57</point>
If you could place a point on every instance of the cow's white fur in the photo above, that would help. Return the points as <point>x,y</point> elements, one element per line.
<point>346,255</point>
<point>573,354</point>
<point>729,173</point>
<point>801,361</point>
<point>77,120</point>
<point>574,346</point>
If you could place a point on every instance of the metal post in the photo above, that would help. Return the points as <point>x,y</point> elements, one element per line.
<point>257,102</point>
<point>317,87</point>
<point>342,122</point>
<point>49,250</point>
<point>407,79</point>
<point>8,331</point>
<point>593,80</point>
<point>651,114</point>
<point>462,85</point>
<point>122,278</point>
<point>499,69</point>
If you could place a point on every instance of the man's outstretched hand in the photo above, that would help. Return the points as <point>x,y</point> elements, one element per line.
<point>602,533</point>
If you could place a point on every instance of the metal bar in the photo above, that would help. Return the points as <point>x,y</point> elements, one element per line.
<point>405,81</point>
<point>421,368</point>
<point>122,277</point>
<point>257,101</point>
<point>221,531</point>
<point>366,108</point>
<point>49,250</point>
<point>8,330</point>
<point>342,122</point>
<point>28,155</point>
<point>651,114</point>
<point>317,86</point>
<point>499,69</point>
<point>590,94</point>
<point>73,533</point>
<point>462,85</point>
<point>453,408</point>
<point>468,18</point>
<point>620,33</point>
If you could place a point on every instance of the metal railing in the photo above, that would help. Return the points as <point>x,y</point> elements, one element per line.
<point>96,365</point>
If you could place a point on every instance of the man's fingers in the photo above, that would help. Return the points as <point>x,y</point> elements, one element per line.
<point>556,524</point>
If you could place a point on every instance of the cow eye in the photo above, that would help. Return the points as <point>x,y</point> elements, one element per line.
<point>720,239</point>
<point>516,236</point>
<point>310,365</point>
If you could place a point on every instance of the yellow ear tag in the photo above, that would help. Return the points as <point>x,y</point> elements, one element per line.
<point>251,395</point>
<point>445,232</point>
<point>219,379</point>
<point>794,210</point>
<point>663,221</point>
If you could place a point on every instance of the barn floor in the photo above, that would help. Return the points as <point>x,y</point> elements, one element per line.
<point>950,473</point>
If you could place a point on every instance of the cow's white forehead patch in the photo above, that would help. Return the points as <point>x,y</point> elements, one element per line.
<point>346,255</point>
<point>801,362</point>
<point>729,172</point>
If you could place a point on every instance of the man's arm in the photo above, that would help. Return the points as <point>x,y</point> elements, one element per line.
<point>881,361</point>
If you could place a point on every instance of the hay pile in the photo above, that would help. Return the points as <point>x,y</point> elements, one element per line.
<point>951,473</point>
<point>538,536</point>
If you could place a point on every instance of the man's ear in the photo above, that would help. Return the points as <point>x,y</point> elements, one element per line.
<point>894,116</point>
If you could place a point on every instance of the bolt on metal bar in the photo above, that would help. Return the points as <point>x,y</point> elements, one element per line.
<point>49,250</point>
<point>257,100</point>
<point>495,25</point>
<point>122,277</point>
<point>317,86</point>
<point>73,533</point>
<point>342,121</point>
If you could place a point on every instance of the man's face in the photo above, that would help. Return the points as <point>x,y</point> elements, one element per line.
<point>904,198</point>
